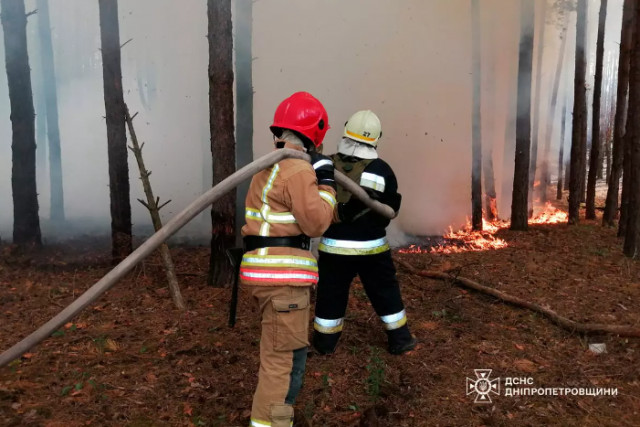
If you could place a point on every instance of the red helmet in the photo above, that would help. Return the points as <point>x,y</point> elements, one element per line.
<point>303,113</point>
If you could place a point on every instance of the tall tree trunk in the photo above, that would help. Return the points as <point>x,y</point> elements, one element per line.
<point>536,110</point>
<point>545,178</point>
<point>244,99</point>
<point>476,149</point>
<point>596,140</point>
<point>579,132</point>
<point>26,223</point>
<point>41,130</point>
<point>121,244</point>
<point>51,107</point>
<point>222,137</point>
<point>563,122</point>
<point>519,214</point>
<point>632,237</point>
<point>626,38</point>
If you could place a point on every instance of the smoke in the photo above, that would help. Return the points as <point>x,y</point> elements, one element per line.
<point>409,61</point>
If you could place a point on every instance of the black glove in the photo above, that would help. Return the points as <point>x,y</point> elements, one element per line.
<point>323,166</point>
<point>348,211</point>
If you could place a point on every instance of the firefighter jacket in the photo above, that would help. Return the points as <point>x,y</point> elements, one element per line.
<point>365,234</point>
<point>285,200</point>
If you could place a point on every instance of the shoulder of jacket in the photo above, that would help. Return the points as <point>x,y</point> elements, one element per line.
<point>292,167</point>
<point>379,167</point>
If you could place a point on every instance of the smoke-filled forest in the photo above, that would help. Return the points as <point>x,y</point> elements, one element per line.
<point>319,213</point>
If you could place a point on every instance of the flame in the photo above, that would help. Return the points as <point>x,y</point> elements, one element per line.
<point>468,240</point>
<point>550,215</point>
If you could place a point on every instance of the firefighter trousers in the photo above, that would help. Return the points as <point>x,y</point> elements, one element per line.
<point>378,276</point>
<point>283,352</point>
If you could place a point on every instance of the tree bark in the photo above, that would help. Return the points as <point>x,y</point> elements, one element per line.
<point>476,131</point>
<point>48,75</point>
<point>563,122</point>
<point>244,99</point>
<point>222,137</point>
<point>26,222</point>
<point>631,238</point>
<point>579,132</point>
<point>519,213</point>
<point>626,38</point>
<point>545,178</point>
<point>41,130</point>
<point>121,244</point>
<point>536,111</point>
<point>596,140</point>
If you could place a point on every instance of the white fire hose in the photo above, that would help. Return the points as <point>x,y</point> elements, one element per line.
<point>169,229</point>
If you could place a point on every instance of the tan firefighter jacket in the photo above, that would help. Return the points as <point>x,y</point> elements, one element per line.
<point>285,200</point>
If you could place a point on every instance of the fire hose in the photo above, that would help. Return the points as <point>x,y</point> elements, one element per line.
<point>169,229</point>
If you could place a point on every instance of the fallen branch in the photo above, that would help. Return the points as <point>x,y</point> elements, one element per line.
<point>154,210</point>
<point>563,322</point>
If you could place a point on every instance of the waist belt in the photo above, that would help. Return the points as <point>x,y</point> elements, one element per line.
<point>256,242</point>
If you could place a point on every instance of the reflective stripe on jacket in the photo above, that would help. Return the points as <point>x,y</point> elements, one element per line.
<point>353,247</point>
<point>285,200</point>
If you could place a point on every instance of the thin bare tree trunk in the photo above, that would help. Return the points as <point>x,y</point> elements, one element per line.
<point>563,122</point>
<point>519,214</point>
<point>50,92</point>
<point>596,140</point>
<point>579,132</point>
<point>545,178</point>
<point>221,117</point>
<point>26,222</point>
<point>154,210</point>
<point>536,111</point>
<point>611,204</point>
<point>116,133</point>
<point>476,145</point>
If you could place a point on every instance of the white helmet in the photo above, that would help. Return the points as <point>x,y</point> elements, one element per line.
<point>364,126</point>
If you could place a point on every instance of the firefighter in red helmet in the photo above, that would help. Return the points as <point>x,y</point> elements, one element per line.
<point>285,206</point>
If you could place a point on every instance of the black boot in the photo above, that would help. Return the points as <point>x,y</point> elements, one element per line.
<point>401,340</point>
<point>325,343</point>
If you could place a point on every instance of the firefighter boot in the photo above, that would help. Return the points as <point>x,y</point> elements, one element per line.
<point>401,340</point>
<point>325,343</point>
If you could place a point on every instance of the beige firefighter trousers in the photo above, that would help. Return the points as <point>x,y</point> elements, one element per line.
<point>283,350</point>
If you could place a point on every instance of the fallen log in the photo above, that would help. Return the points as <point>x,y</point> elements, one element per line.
<point>169,229</point>
<point>563,322</point>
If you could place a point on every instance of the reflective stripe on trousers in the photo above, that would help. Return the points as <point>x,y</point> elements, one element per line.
<point>328,326</point>
<point>353,247</point>
<point>394,321</point>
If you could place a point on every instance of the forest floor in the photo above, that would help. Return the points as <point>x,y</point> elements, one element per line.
<point>131,359</point>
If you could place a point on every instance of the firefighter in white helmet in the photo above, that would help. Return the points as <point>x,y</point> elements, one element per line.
<point>356,243</point>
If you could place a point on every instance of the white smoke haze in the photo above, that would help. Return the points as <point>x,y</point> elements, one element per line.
<point>408,61</point>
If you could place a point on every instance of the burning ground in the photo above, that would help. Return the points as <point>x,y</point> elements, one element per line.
<point>131,359</point>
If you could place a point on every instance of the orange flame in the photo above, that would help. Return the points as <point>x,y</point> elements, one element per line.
<point>468,240</point>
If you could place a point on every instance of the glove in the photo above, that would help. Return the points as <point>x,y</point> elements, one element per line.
<point>323,166</point>
<point>348,211</point>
